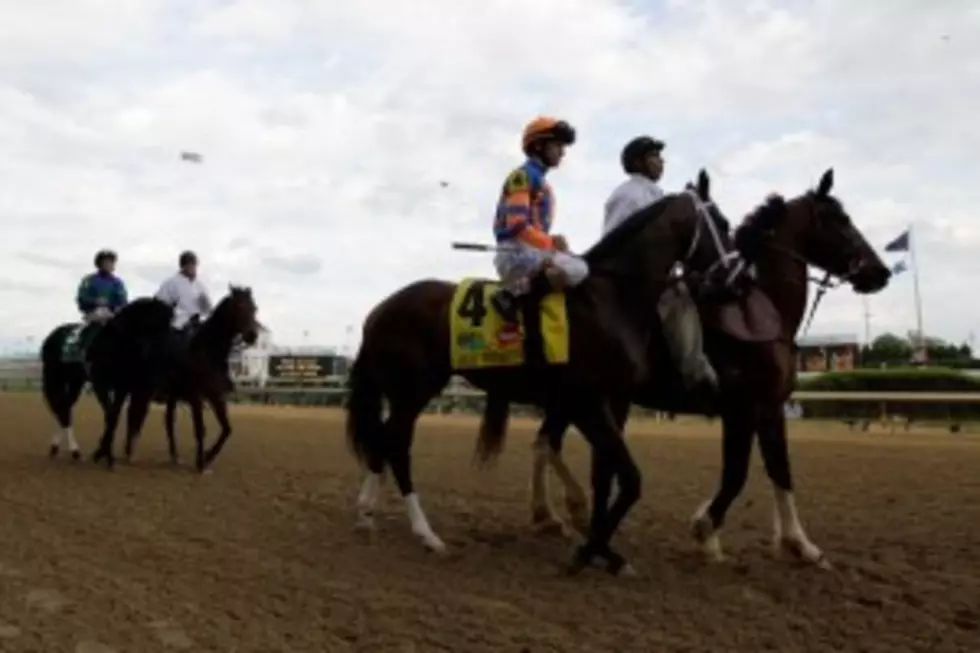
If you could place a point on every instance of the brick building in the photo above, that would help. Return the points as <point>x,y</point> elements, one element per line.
<point>827,353</point>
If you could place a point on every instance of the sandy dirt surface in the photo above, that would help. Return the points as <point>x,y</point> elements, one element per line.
<point>261,555</point>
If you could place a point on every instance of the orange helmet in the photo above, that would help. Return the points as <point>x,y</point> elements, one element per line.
<point>547,128</point>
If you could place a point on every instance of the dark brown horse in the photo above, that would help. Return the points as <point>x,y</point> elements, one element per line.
<point>195,371</point>
<point>404,361</point>
<point>782,238</point>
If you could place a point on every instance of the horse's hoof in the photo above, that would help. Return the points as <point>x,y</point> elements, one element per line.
<point>581,559</point>
<point>581,526</point>
<point>432,543</point>
<point>436,546</point>
<point>550,526</point>
<point>364,524</point>
<point>76,455</point>
<point>805,552</point>
<point>701,525</point>
<point>617,565</point>
<point>627,571</point>
<point>702,529</point>
<point>53,451</point>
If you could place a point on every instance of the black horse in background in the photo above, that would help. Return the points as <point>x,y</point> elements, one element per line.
<point>181,367</point>
<point>138,330</point>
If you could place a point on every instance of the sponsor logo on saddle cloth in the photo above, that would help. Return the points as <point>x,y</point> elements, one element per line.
<point>480,338</point>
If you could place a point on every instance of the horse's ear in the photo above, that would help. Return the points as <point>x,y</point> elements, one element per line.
<point>704,184</point>
<point>826,183</point>
<point>774,210</point>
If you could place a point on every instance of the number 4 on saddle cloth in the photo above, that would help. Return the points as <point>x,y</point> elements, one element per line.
<point>480,338</point>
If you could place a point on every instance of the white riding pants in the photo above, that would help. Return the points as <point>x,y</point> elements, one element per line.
<point>517,262</point>
<point>100,314</point>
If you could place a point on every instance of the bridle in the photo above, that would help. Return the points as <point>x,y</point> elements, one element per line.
<point>731,260</point>
<point>829,281</point>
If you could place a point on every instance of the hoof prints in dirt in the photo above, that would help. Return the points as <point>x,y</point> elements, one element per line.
<point>51,602</point>
<point>261,557</point>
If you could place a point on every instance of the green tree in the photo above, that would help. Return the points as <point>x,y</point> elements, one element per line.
<point>887,349</point>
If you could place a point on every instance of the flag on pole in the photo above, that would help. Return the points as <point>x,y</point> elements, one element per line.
<point>900,244</point>
<point>191,157</point>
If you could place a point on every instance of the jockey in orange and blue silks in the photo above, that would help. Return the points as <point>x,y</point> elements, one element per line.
<point>524,217</point>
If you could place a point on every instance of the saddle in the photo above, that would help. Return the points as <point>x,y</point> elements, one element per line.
<point>749,317</point>
<point>78,340</point>
<point>176,356</point>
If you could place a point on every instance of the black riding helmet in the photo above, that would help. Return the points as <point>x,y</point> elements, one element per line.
<point>105,255</point>
<point>637,149</point>
<point>187,258</point>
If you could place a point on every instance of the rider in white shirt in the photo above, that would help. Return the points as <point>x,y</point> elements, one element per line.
<point>642,160</point>
<point>185,293</point>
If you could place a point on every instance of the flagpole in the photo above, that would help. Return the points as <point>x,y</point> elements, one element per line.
<point>867,320</point>
<point>915,288</point>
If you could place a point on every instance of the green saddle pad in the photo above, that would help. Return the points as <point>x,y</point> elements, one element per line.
<point>77,342</point>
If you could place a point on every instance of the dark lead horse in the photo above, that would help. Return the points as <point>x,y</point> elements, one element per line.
<point>782,238</point>
<point>194,370</point>
<point>63,377</point>
<point>404,361</point>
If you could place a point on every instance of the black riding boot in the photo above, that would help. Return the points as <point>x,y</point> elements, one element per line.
<point>509,305</point>
<point>505,303</point>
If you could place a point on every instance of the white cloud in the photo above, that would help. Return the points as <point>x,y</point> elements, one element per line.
<point>326,129</point>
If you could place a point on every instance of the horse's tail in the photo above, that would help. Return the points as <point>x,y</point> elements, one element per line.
<point>493,428</point>
<point>54,372</point>
<point>365,431</point>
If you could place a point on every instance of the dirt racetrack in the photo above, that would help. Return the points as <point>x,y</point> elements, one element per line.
<point>261,556</point>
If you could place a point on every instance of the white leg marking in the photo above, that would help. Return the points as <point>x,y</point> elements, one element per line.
<point>706,534</point>
<point>541,511</point>
<point>367,499</point>
<point>420,525</point>
<point>789,534</point>
<point>58,436</point>
<point>72,443</point>
<point>576,501</point>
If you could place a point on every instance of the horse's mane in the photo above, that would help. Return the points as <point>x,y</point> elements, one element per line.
<point>145,310</point>
<point>144,317</point>
<point>767,215</point>
<point>222,310</point>
<point>754,226</point>
<point>223,306</point>
<point>627,231</point>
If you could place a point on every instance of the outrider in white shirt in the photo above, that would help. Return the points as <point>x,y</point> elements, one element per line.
<point>636,193</point>
<point>187,296</point>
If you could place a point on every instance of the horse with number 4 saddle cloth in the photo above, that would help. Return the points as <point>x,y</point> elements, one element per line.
<point>579,349</point>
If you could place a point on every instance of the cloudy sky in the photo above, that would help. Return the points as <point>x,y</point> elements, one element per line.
<point>327,128</point>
